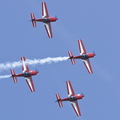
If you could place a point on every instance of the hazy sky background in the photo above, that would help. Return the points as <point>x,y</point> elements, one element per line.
<point>97,23</point>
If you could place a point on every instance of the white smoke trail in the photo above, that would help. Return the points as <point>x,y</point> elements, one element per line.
<point>5,76</point>
<point>9,65</point>
<point>49,60</point>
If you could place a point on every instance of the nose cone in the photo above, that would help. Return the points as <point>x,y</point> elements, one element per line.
<point>82,96</point>
<point>92,54</point>
<point>56,19</point>
<point>37,72</point>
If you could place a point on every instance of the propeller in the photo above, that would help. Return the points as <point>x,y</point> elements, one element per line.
<point>37,70</point>
<point>56,17</point>
<point>82,94</point>
<point>94,52</point>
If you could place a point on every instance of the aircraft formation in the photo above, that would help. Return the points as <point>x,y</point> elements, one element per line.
<point>84,56</point>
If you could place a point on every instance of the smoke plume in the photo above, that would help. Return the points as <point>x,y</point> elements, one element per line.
<point>48,60</point>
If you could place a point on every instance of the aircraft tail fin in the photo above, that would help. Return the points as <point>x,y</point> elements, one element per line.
<point>13,75</point>
<point>33,19</point>
<point>71,57</point>
<point>59,100</point>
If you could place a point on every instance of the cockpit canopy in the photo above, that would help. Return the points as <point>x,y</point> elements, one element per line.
<point>72,98</point>
<point>27,74</point>
<point>46,19</point>
<point>84,56</point>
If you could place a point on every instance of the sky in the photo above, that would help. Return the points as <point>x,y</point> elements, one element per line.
<point>97,23</point>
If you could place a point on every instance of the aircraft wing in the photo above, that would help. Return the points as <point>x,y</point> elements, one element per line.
<point>88,65</point>
<point>30,83</point>
<point>44,10</point>
<point>24,66</point>
<point>70,88</point>
<point>48,29</point>
<point>81,47</point>
<point>76,107</point>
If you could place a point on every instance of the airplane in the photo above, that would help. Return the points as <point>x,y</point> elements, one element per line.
<point>45,19</point>
<point>83,55</point>
<point>26,74</point>
<point>72,97</point>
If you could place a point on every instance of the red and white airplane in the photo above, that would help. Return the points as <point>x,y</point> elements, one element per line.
<point>26,74</point>
<point>71,97</point>
<point>45,19</point>
<point>83,55</point>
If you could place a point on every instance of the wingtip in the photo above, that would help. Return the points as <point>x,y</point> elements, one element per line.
<point>23,58</point>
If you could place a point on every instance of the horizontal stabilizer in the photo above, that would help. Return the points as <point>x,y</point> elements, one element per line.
<point>71,57</point>
<point>59,100</point>
<point>33,19</point>
<point>13,75</point>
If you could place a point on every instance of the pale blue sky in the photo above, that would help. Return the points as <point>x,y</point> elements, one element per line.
<point>97,23</point>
